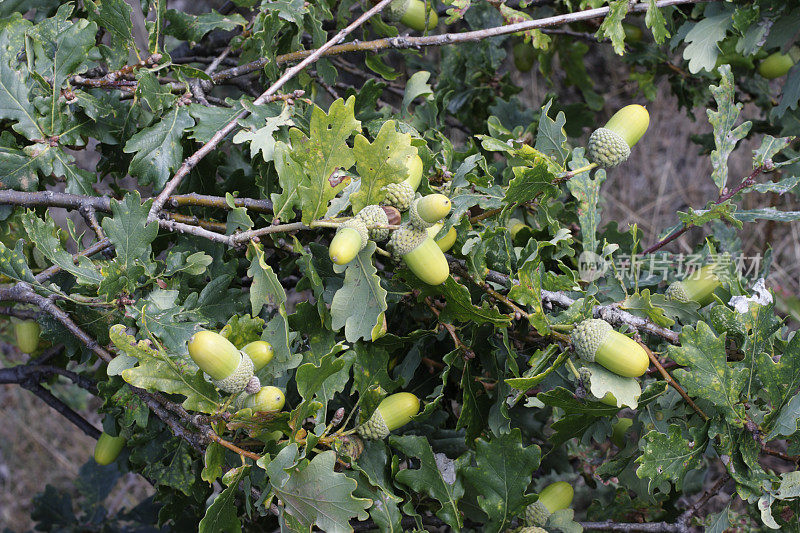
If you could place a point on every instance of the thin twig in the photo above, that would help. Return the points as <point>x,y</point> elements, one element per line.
<point>466,350</point>
<point>669,379</point>
<point>222,442</point>
<point>686,516</point>
<point>90,215</point>
<point>724,196</point>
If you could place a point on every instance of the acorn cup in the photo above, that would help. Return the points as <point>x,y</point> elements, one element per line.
<point>267,399</point>
<point>421,254</point>
<point>375,215</point>
<point>778,64</point>
<point>530,529</point>
<point>26,333</point>
<point>107,448</point>
<point>400,195</point>
<point>412,14</point>
<point>394,411</point>
<point>611,145</point>
<point>553,497</point>
<point>260,352</point>
<point>351,237</point>
<point>230,369</point>
<point>446,242</point>
<point>428,210</point>
<point>594,340</point>
<point>698,287</point>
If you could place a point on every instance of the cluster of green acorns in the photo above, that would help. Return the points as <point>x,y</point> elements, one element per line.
<point>595,340</point>
<point>414,241</point>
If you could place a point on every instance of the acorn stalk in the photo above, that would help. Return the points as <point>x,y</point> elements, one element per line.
<point>594,340</point>
<point>394,412</point>
<point>230,369</point>
<point>553,497</point>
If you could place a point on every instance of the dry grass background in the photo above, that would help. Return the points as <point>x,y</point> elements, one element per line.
<point>664,174</point>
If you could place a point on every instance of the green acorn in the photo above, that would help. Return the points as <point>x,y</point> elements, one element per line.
<point>260,352</point>
<point>611,145</point>
<point>633,33</point>
<point>351,237</point>
<point>267,399</point>
<point>698,287</point>
<point>594,340</point>
<point>412,14</point>
<point>446,242</point>
<point>380,328</point>
<point>107,448</point>
<point>524,56</point>
<point>778,64</point>
<point>428,210</point>
<point>230,369</point>
<point>394,412</point>
<point>618,430</point>
<point>609,399</point>
<point>375,215</point>
<point>421,254</point>
<point>27,334</point>
<point>553,497</point>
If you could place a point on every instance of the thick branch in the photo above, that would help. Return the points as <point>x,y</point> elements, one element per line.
<point>63,409</point>
<point>438,40</point>
<point>653,527</point>
<point>103,203</point>
<point>21,373</point>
